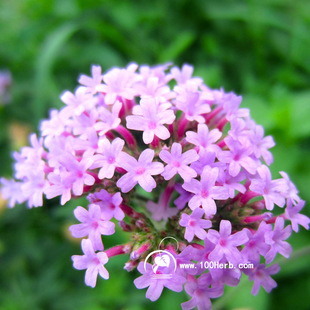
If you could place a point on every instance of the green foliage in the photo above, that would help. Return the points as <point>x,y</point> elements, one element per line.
<point>258,48</point>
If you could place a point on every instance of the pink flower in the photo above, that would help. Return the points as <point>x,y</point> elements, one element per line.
<point>268,188</point>
<point>201,292</point>
<point>150,118</point>
<point>161,210</point>
<point>93,82</point>
<point>157,281</point>
<point>140,171</point>
<point>226,243</point>
<point>195,225</point>
<point>92,225</point>
<point>118,82</point>
<point>205,191</point>
<point>109,204</point>
<point>292,214</point>
<point>276,241</point>
<point>238,157</point>
<point>107,157</point>
<point>261,277</point>
<point>92,262</point>
<point>204,138</point>
<point>178,162</point>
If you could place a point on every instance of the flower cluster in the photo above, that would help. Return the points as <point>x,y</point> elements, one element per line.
<point>160,154</point>
<point>5,83</point>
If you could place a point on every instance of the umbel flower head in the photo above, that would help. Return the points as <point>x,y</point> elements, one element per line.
<point>165,157</point>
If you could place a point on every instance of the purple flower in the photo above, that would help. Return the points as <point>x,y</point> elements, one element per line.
<point>184,75</point>
<point>107,157</point>
<point>195,225</point>
<point>34,187</point>
<point>204,138</point>
<point>140,171</point>
<point>109,204</point>
<point>157,281</point>
<point>205,191</point>
<point>207,159</point>
<point>292,192</point>
<point>226,243</point>
<point>153,87</point>
<point>91,225</point>
<point>232,183</point>
<point>261,277</point>
<point>256,245</point>
<point>108,120</point>
<point>201,292</point>
<point>238,157</point>
<point>92,262</point>
<point>275,240</point>
<point>292,214</point>
<point>76,103</point>
<point>12,190</point>
<point>118,82</point>
<point>178,162</point>
<point>161,210</point>
<point>229,275</point>
<point>69,174</point>
<point>261,144</point>
<point>53,127</point>
<point>191,104</point>
<point>150,119</point>
<point>268,188</point>
<point>91,83</point>
<point>184,197</point>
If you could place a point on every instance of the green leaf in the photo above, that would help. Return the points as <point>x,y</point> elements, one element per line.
<point>300,115</point>
<point>44,87</point>
<point>177,47</point>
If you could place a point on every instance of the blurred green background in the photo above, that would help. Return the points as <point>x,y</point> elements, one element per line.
<point>257,48</point>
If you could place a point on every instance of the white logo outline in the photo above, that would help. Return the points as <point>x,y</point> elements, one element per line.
<point>162,251</point>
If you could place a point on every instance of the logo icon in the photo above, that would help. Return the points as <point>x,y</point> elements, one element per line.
<point>164,263</point>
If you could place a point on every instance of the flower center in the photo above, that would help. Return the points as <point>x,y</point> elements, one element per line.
<point>177,164</point>
<point>204,193</point>
<point>95,224</point>
<point>79,173</point>
<point>111,159</point>
<point>192,223</point>
<point>96,261</point>
<point>152,125</point>
<point>237,157</point>
<point>223,242</point>
<point>140,170</point>
<point>252,244</point>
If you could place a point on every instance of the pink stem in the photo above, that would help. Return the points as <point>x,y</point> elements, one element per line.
<point>222,123</point>
<point>171,128</point>
<point>221,144</point>
<point>109,135</point>
<point>182,126</point>
<point>129,104</point>
<point>155,143</point>
<point>137,253</point>
<point>272,220</point>
<point>257,218</point>
<point>197,246</point>
<point>131,212</point>
<point>116,250</point>
<point>131,141</point>
<point>213,113</point>
<point>245,198</point>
